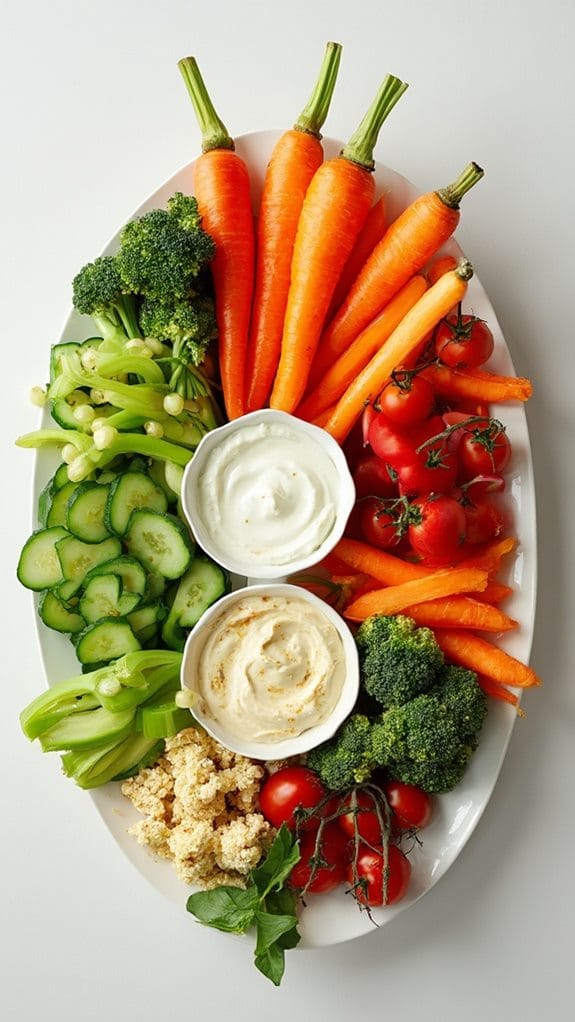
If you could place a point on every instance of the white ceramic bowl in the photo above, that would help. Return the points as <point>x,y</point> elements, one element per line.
<point>309,738</point>
<point>242,564</point>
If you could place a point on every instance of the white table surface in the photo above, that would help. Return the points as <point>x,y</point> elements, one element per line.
<point>95,116</point>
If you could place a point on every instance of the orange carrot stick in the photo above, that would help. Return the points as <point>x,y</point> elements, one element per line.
<point>477,385</point>
<point>495,592</point>
<point>488,556</point>
<point>405,248</point>
<point>395,599</point>
<point>294,160</point>
<point>344,371</point>
<point>476,653</point>
<point>371,232</point>
<point>460,612</point>
<point>491,688</point>
<point>425,314</point>
<point>380,564</point>
<point>321,419</point>
<point>222,188</point>
<point>441,266</point>
<point>334,211</point>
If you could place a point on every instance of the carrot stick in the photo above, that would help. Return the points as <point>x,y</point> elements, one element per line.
<point>405,248</point>
<point>334,211</point>
<point>495,592</point>
<point>476,653</point>
<point>222,188</point>
<point>383,566</point>
<point>441,266</point>
<point>294,160</point>
<point>395,599</point>
<point>321,419</point>
<point>371,232</point>
<point>477,384</point>
<point>344,371</point>
<point>488,556</point>
<point>491,688</point>
<point>425,314</point>
<point>460,612</point>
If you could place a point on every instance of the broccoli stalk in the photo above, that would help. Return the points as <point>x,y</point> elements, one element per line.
<point>98,291</point>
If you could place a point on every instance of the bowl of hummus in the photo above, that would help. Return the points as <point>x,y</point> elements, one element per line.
<point>267,495</point>
<point>270,671</point>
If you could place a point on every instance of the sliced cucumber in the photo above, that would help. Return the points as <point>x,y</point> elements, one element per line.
<point>39,566</point>
<point>55,614</point>
<point>62,411</point>
<point>174,475</point>
<point>157,472</point>
<point>57,351</point>
<point>66,593</point>
<point>44,503</point>
<point>145,619</point>
<point>106,640</point>
<point>78,558</point>
<point>129,491</point>
<point>203,584</point>
<point>57,515</point>
<point>155,586</point>
<point>160,541</point>
<point>101,598</point>
<point>61,477</point>
<point>85,512</point>
<point>129,569</point>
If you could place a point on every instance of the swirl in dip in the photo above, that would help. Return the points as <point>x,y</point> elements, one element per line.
<point>269,668</point>
<point>267,494</point>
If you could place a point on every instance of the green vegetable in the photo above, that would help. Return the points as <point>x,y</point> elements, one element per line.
<point>190,326</point>
<point>98,291</point>
<point>347,758</point>
<point>398,661</point>
<point>265,904</point>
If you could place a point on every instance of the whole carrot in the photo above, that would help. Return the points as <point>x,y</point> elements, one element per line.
<point>406,246</point>
<point>222,188</point>
<point>293,163</point>
<point>334,210</point>
<point>371,232</point>
<point>414,326</point>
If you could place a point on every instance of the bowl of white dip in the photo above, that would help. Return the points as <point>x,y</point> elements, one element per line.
<point>270,671</point>
<point>267,495</point>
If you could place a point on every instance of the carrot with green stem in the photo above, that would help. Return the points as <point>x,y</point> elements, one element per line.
<point>414,327</point>
<point>405,248</point>
<point>334,210</point>
<point>222,188</point>
<point>295,158</point>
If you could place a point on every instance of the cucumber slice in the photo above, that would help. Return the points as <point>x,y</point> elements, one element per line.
<point>174,475</point>
<point>39,566</point>
<point>146,617</point>
<point>60,477</point>
<point>160,542</point>
<point>129,491</point>
<point>66,592</point>
<point>44,503</point>
<point>129,602</point>
<point>85,512</point>
<point>155,586</point>
<point>157,472</point>
<point>57,515</point>
<point>78,558</point>
<point>101,598</point>
<point>128,568</point>
<point>62,411</point>
<point>56,353</point>
<point>105,640</point>
<point>203,584</point>
<point>55,614</point>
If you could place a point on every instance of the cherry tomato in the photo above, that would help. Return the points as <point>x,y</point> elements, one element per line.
<point>370,867</point>
<point>288,789</point>
<point>434,469</point>
<point>483,521</point>
<point>372,478</point>
<point>463,342</point>
<point>390,444</point>
<point>368,825</point>
<point>380,524</point>
<point>412,807</point>
<point>439,532</point>
<point>406,399</point>
<point>484,449</point>
<point>335,851</point>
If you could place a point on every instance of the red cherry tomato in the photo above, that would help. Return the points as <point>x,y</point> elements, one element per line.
<point>439,530</point>
<point>484,449</point>
<point>463,342</point>
<point>368,825</point>
<point>372,478</point>
<point>288,789</point>
<point>380,524</point>
<point>335,851</point>
<point>389,443</point>
<point>412,807</point>
<point>370,867</point>
<point>406,399</point>
<point>483,521</point>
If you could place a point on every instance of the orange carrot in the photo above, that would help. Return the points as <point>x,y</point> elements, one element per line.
<point>491,688</point>
<point>380,564</point>
<point>321,419</point>
<point>395,599</point>
<point>294,160</point>
<point>222,188</point>
<point>441,266</point>
<point>495,592</point>
<point>460,612</point>
<point>371,232</point>
<point>421,318</point>
<point>334,211</point>
<point>344,371</point>
<point>479,655</point>
<point>488,556</point>
<point>405,248</point>
<point>477,384</point>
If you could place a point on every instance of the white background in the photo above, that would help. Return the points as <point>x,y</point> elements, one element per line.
<point>95,117</point>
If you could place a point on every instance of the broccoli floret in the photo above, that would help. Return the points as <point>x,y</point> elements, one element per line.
<point>189,325</point>
<point>458,690</point>
<point>347,758</point>
<point>398,661</point>
<point>163,252</point>
<point>98,291</point>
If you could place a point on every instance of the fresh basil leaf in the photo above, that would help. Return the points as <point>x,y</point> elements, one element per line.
<point>226,908</point>
<point>284,903</point>
<point>271,963</point>
<point>270,929</point>
<point>278,863</point>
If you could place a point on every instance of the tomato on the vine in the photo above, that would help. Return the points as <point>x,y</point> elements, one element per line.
<point>372,479</point>
<point>334,853</point>
<point>411,806</point>
<point>389,443</point>
<point>370,865</point>
<point>484,448</point>
<point>437,528</point>
<point>483,521</point>
<point>365,818</point>
<point>290,788</point>
<point>463,342</point>
<point>381,523</point>
<point>407,399</point>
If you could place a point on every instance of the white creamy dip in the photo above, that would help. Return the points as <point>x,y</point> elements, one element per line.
<point>269,668</point>
<point>267,494</point>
